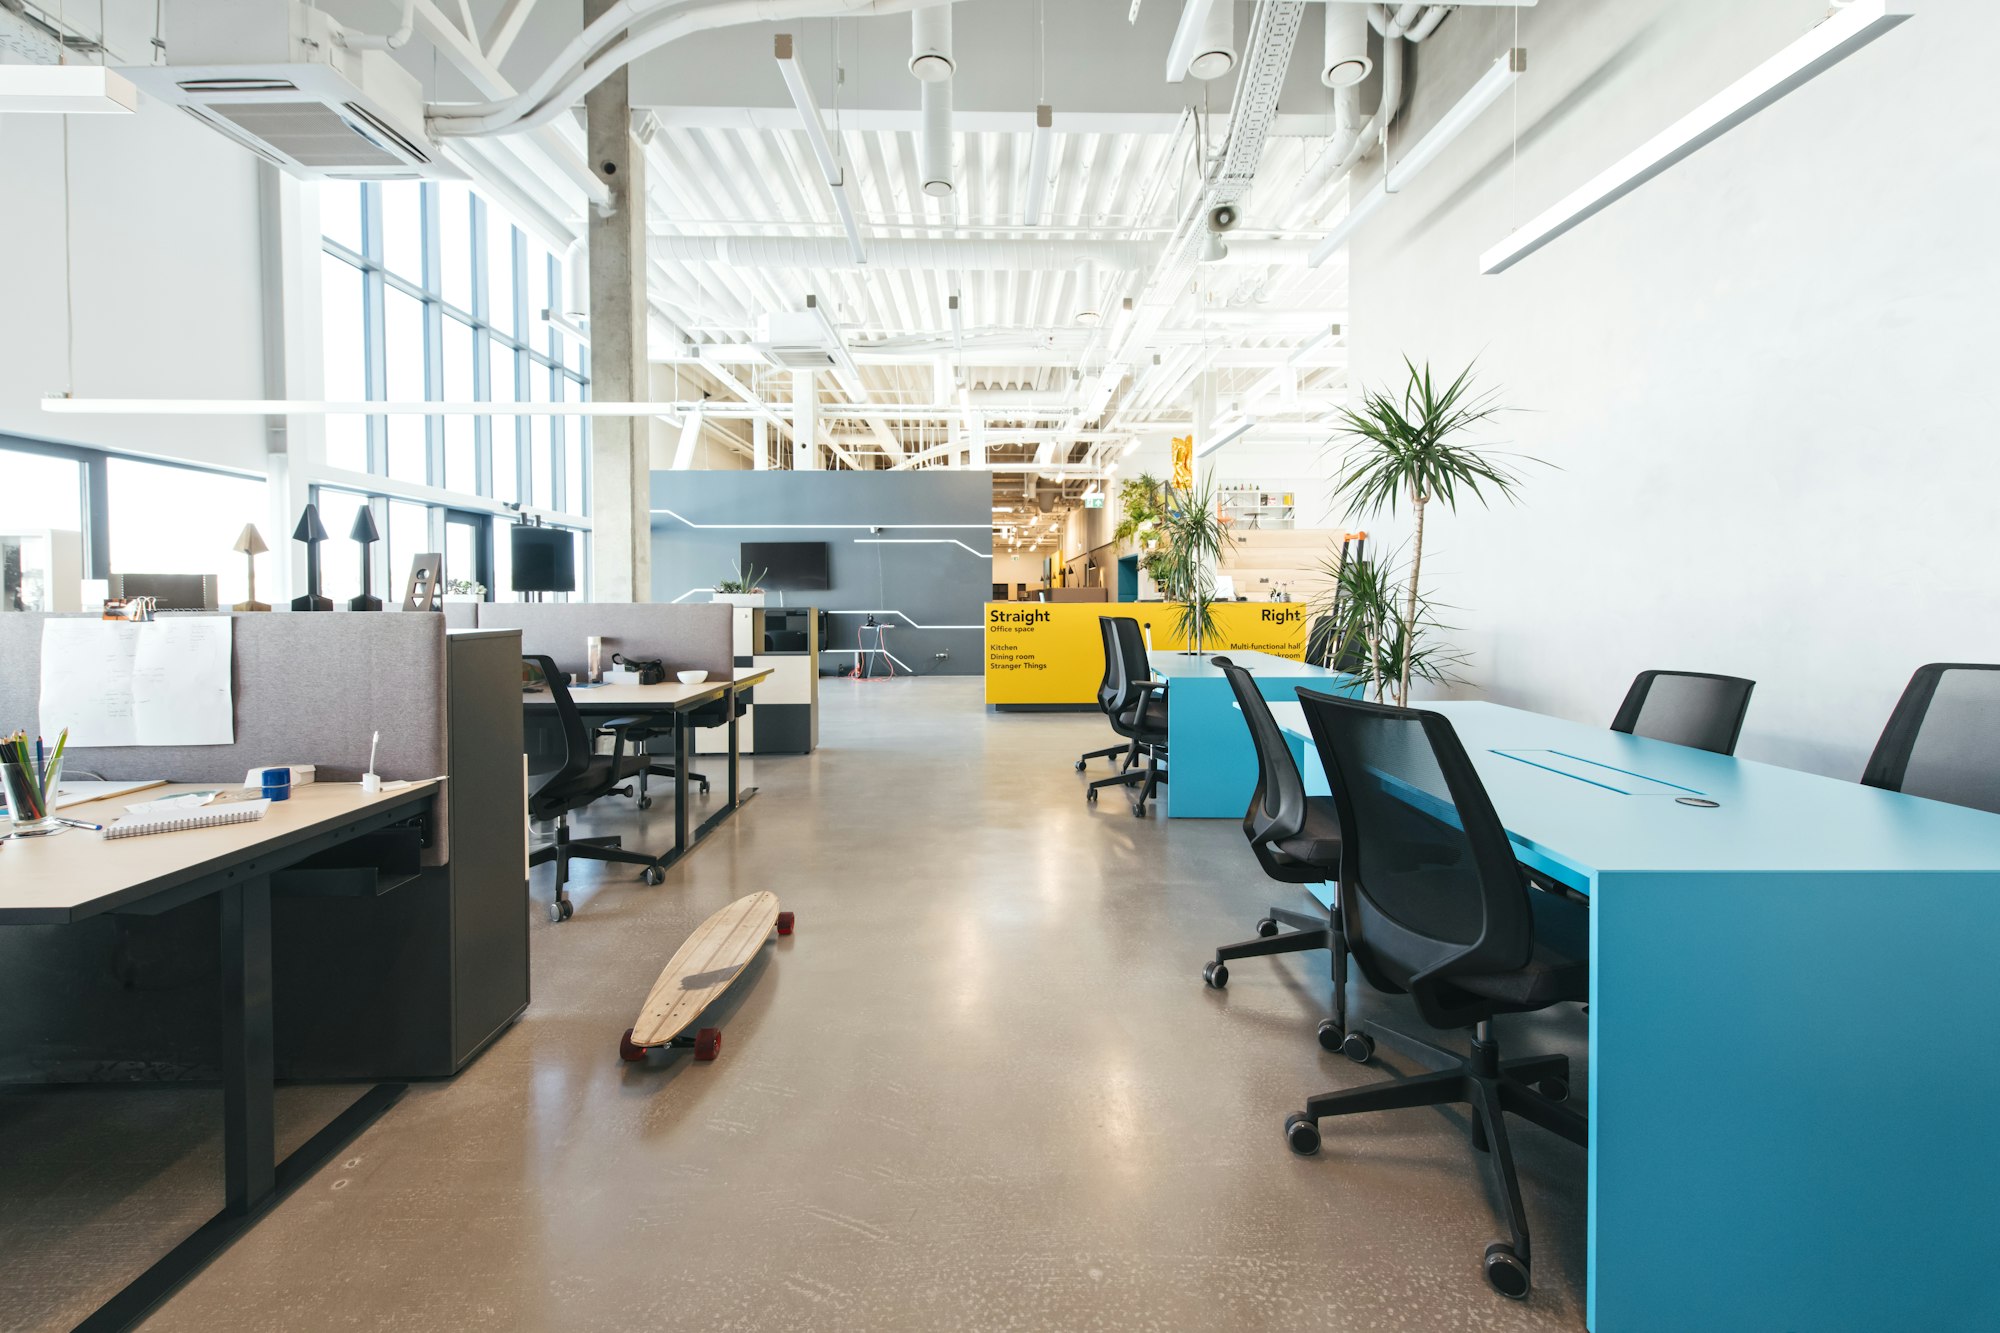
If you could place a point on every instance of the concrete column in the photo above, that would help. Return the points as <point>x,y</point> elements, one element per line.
<point>620,479</point>
<point>805,421</point>
<point>760,443</point>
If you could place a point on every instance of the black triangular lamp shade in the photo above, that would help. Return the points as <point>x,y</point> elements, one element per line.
<point>364,530</point>
<point>312,532</point>
<point>367,534</point>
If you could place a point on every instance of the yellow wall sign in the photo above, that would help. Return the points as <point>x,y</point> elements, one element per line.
<point>1053,652</point>
<point>1183,462</point>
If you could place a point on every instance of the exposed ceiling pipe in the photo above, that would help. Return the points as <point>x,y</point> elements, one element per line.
<point>1038,164</point>
<point>365,41</point>
<point>931,62</point>
<point>1344,150</point>
<point>813,252</point>
<point>1346,61</point>
<point>1215,52</point>
<point>1425,25</point>
<point>658,26</point>
<point>930,44</point>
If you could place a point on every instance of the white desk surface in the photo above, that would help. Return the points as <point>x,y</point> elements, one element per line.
<point>67,874</point>
<point>666,694</point>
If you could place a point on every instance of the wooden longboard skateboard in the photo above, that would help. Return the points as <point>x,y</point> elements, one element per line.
<point>700,970</point>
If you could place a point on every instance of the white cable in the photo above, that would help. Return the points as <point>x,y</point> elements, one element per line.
<point>522,114</point>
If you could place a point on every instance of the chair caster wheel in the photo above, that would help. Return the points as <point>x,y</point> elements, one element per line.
<point>1080,765</point>
<point>652,875</point>
<point>1267,927</point>
<point>1090,794</point>
<point>561,910</point>
<point>1553,1088</point>
<point>1505,1271</point>
<point>704,787</point>
<point>627,1051</point>
<point>1138,812</point>
<point>1331,1035</point>
<point>1358,1047</point>
<point>1301,1135</point>
<point>708,1043</point>
<point>786,921</point>
<point>645,803</point>
<point>1216,975</point>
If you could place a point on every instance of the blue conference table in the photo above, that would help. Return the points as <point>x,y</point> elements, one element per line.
<point>1212,765</point>
<point>1794,1101</point>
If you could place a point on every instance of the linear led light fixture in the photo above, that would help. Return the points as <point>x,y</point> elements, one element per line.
<point>829,166</point>
<point>1495,81</point>
<point>1839,36</point>
<point>1235,431</point>
<point>278,407</point>
<point>69,90</point>
<point>1038,164</point>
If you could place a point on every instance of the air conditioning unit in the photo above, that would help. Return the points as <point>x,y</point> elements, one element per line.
<point>278,81</point>
<point>797,340</point>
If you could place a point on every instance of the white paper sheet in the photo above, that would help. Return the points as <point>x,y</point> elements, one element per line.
<point>163,682</point>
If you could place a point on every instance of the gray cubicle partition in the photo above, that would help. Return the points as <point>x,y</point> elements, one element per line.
<point>686,638</point>
<point>411,983</point>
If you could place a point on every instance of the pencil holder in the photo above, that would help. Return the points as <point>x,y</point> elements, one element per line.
<point>31,797</point>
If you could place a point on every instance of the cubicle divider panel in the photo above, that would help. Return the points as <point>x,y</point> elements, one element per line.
<point>686,638</point>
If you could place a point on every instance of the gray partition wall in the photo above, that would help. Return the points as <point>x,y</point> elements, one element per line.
<point>914,549</point>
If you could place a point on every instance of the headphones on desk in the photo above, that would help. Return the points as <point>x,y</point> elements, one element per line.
<point>652,670</point>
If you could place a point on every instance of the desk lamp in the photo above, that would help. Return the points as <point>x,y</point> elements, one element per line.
<point>251,543</point>
<point>365,533</point>
<point>312,532</point>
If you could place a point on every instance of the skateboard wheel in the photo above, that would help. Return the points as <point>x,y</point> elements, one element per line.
<point>627,1051</point>
<point>785,920</point>
<point>708,1043</point>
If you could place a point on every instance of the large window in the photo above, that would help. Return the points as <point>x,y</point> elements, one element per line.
<point>431,293</point>
<point>163,519</point>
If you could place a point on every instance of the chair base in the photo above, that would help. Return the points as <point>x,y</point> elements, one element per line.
<point>1307,932</point>
<point>1130,752</point>
<point>1491,1087</point>
<point>566,849</point>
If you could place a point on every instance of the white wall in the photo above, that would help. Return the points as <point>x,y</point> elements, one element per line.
<point>167,281</point>
<point>1764,382</point>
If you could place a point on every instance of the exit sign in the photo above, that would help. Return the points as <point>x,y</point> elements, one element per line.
<point>1093,502</point>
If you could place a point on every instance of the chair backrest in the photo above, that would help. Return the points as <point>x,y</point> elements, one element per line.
<point>1943,740</point>
<point>1692,708</point>
<point>1278,806</point>
<point>1426,869</point>
<point>1107,689</point>
<point>1129,665</point>
<point>576,736</point>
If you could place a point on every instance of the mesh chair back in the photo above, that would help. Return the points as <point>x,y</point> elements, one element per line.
<point>1434,882</point>
<point>1278,806</point>
<point>576,737</point>
<point>1132,666</point>
<point>1943,740</point>
<point>1107,689</point>
<point>1692,708</point>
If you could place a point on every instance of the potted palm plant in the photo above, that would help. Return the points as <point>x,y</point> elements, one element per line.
<point>1415,447</point>
<point>1195,539</point>
<point>742,590</point>
<point>1359,628</point>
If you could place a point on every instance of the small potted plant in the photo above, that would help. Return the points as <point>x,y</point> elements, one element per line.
<point>742,590</point>
<point>464,590</point>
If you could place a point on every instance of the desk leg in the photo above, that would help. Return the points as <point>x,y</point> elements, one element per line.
<point>730,700</point>
<point>248,1132</point>
<point>681,762</point>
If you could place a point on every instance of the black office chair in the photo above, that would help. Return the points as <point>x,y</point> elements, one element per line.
<point>1107,694</point>
<point>1691,708</point>
<point>1137,709</point>
<point>584,776</point>
<point>1433,903</point>
<point>1942,740</point>
<point>1296,839</point>
<point>641,737</point>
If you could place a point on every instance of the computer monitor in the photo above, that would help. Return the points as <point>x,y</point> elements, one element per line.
<point>544,559</point>
<point>170,592</point>
<point>788,566</point>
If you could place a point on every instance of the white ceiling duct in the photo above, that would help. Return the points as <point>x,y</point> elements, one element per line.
<point>930,44</point>
<point>812,252</point>
<point>1347,61</point>
<point>934,140</point>
<point>1215,53</point>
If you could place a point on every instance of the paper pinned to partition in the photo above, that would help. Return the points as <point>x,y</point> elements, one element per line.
<point>160,682</point>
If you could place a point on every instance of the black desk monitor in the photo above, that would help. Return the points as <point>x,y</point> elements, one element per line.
<point>544,559</point>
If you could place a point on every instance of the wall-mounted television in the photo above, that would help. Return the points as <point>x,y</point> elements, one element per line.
<point>544,559</point>
<point>793,566</point>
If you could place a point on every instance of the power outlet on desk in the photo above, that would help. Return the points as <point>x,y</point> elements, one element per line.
<point>942,657</point>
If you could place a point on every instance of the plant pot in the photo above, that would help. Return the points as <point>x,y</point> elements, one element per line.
<point>739,598</point>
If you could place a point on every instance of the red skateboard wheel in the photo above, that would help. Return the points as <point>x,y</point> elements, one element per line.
<point>785,920</point>
<point>707,1043</point>
<point>627,1051</point>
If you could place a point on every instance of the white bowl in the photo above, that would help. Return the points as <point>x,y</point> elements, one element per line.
<point>691,677</point>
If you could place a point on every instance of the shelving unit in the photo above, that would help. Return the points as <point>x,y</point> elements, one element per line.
<point>1248,506</point>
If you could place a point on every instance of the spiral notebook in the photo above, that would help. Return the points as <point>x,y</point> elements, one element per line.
<point>236,812</point>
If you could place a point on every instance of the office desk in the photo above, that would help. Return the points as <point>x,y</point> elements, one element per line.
<point>1212,763</point>
<point>77,874</point>
<point>673,701</point>
<point>1792,1119</point>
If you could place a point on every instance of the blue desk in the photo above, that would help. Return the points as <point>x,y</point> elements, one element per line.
<point>1213,765</point>
<point>1793,1094</point>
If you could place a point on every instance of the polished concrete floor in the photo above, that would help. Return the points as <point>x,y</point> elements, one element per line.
<point>983,1087</point>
